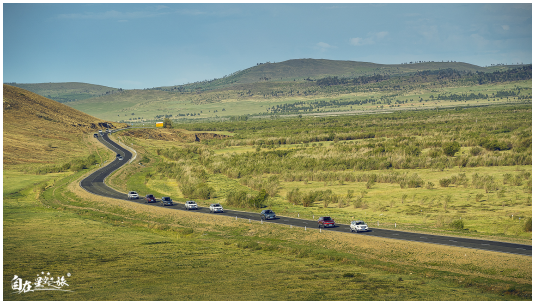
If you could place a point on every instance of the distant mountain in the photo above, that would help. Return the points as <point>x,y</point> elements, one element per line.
<point>40,130</point>
<point>66,92</point>
<point>291,70</point>
<point>302,69</point>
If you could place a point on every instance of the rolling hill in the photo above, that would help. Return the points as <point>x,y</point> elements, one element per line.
<point>301,69</point>
<point>40,130</point>
<point>66,92</point>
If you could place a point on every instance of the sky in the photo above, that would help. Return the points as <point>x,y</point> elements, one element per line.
<point>145,45</point>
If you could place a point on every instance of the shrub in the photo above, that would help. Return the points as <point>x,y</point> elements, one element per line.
<point>475,151</point>
<point>445,182</point>
<point>450,149</point>
<point>457,224</point>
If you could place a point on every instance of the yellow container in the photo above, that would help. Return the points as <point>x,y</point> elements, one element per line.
<point>160,124</point>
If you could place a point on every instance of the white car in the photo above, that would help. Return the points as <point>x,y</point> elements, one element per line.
<point>132,195</point>
<point>216,208</point>
<point>359,226</point>
<point>189,205</point>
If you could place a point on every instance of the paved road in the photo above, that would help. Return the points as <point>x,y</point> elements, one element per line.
<point>95,184</point>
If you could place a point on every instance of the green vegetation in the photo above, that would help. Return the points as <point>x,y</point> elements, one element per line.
<point>113,250</point>
<point>318,88</point>
<point>443,148</point>
<point>67,92</point>
<point>403,168</point>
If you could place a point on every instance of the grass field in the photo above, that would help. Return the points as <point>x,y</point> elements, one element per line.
<point>385,168</point>
<point>115,251</point>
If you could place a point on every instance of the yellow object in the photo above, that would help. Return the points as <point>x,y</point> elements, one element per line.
<point>160,124</point>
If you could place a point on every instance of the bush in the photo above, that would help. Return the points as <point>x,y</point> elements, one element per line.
<point>475,151</point>
<point>445,182</point>
<point>457,224</point>
<point>450,149</point>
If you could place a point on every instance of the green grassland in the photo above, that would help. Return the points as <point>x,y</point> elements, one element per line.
<point>327,95</point>
<point>447,165</point>
<point>112,250</point>
<point>388,169</point>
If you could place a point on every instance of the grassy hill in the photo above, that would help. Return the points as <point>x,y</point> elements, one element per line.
<point>43,131</point>
<point>410,88</point>
<point>301,69</point>
<point>66,92</point>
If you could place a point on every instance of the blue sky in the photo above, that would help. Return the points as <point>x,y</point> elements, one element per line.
<point>136,46</point>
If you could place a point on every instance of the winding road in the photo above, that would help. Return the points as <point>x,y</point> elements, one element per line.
<point>94,183</point>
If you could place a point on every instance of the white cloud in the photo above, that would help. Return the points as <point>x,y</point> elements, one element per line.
<point>505,27</point>
<point>372,38</point>
<point>323,46</point>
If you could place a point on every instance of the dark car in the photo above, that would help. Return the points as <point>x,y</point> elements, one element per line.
<point>166,201</point>
<point>267,214</point>
<point>150,198</point>
<point>326,221</point>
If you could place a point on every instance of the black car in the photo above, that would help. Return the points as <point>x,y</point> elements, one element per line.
<point>166,201</point>
<point>267,214</point>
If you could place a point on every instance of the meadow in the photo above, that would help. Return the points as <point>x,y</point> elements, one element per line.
<point>462,171</point>
<point>116,250</point>
<point>386,169</point>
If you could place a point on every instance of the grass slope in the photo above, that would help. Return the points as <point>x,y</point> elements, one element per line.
<point>65,92</point>
<point>38,130</point>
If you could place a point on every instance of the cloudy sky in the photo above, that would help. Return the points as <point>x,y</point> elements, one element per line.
<point>136,46</point>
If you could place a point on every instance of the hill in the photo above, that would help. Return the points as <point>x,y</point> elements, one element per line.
<point>66,92</point>
<point>40,130</point>
<point>302,69</point>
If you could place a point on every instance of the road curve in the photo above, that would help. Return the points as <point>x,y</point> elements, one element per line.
<point>94,184</point>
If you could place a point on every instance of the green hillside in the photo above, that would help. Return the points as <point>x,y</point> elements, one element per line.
<point>66,92</point>
<point>326,95</point>
<point>302,69</point>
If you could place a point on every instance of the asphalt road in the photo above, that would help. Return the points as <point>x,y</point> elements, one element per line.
<point>94,183</point>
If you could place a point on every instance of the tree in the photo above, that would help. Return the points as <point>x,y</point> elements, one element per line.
<point>167,123</point>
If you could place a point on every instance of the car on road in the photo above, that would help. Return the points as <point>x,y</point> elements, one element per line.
<point>190,205</point>
<point>326,221</point>
<point>132,195</point>
<point>267,214</point>
<point>150,198</point>
<point>166,201</point>
<point>359,226</point>
<point>216,208</point>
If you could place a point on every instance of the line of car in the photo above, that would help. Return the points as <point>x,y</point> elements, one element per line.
<point>323,221</point>
<point>167,201</point>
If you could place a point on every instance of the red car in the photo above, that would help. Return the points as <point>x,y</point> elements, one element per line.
<point>150,198</point>
<point>326,221</point>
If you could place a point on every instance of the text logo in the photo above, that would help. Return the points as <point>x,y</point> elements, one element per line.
<point>42,282</point>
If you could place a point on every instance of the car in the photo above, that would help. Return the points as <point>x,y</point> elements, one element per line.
<point>359,226</point>
<point>216,208</point>
<point>119,157</point>
<point>267,214</point>
<point>150,198</point>
<point>95,135</point>
<point>326,221</point>
<point>132,195</point>
<point>166,201</point>
<point>189,205</point>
